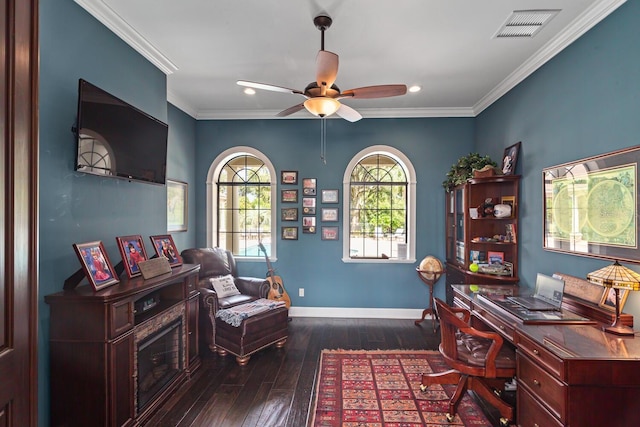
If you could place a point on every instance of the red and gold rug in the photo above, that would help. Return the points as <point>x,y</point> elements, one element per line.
<point>382,389</point>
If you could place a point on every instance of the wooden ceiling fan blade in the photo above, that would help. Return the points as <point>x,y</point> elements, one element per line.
<point>326,69</point>
<point>380,91</point>
<point>348,113</point>
<point>290,110</point>
<point>265,86</point>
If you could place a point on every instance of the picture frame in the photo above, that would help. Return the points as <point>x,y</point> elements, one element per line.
<point>510,158</point>
<point>289,196</point>
<point>330,196</point>
<point>495,257</point>
<point>576,199</point>
<point>289,233</point>
<point>96,264</point>
<point>329,214</point>
<point>309,186</point>
<point>309,224</point>
<point>511,201</point>
<point>289,177</point>
<point>309,205</point>
<point>165,247</point>
<point>330,233</point>
<point>289,214</point>
<point>177,205</point>
<point>608,299</point>
<point>132,252</point>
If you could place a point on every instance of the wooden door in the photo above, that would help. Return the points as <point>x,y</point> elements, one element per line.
<point>18,212</point>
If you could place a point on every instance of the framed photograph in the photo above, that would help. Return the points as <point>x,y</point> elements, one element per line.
<point>289,196</point>
<point>579,200</point>
<point>309,186</point>
<point>289,214</point>
<point>495,257</point>
<point>329,196</point>
<point>177,206</point>
<point>330,233</point>
<point>309,224</point>
<point>608,299</point>
<point>96,264</point>
<point>164,247</point>
<point>508,200</point>
<point>329,214</point>
<point>132,252</point>
<point>309,205</point>
<point>289,177</point>
<point>289,233</point>
<point>510,159</point>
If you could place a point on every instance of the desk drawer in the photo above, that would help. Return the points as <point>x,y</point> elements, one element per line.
<point>546,389</point>
<point>531,413</point>
<point>496,323</point>
<point>540,356</point>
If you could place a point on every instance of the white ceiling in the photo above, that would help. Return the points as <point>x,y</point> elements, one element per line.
<point>448,47</point>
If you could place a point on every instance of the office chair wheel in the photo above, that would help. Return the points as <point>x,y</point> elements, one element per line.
<point>504,422</point>
<point>423,388</point>
<point>449,417</point>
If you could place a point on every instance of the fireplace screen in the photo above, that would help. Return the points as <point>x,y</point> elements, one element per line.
<point>159,361</point>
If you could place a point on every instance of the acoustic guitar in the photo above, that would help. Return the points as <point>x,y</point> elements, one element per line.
<point>276,289</point>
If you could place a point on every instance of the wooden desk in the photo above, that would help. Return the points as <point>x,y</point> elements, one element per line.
<point>568,374</point>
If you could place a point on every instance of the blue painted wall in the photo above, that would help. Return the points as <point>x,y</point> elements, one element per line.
<point>433,145</point>
<point>584,102</point>
<point>75,207</point>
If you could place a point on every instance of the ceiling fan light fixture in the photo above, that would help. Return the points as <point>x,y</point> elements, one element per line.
<point>321,106</point>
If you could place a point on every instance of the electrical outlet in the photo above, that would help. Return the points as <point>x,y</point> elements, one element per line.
<point>301,292</point>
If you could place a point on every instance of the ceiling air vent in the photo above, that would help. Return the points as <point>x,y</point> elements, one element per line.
<point>526,23</point>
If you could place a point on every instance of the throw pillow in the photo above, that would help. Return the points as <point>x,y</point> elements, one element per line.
<point>224,286</point>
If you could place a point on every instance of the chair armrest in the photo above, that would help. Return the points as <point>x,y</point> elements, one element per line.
<point>253,286</point>
<point>466,314</point>
<point>494,349</point>
<point>209,301</point>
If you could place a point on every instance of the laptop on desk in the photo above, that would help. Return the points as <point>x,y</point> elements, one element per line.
<point>547,295</point>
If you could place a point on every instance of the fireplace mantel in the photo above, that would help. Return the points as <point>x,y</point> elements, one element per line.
<point>93,346</point>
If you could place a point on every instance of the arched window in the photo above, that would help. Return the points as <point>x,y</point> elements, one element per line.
<point>379,200</point>
<point>240,209</point>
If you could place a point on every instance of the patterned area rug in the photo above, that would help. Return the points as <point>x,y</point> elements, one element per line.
<point>382,389</point>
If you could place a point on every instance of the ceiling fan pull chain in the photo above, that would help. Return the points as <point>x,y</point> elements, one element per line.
<point>323,140</point>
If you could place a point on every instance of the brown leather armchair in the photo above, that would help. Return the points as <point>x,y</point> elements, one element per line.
<point>255,332</point>
<point>478,360</point>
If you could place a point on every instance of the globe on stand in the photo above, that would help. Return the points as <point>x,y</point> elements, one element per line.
<point>429,271</point>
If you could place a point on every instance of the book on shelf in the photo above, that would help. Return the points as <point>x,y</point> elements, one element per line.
<point>479,257</point>
<point>511,232</point>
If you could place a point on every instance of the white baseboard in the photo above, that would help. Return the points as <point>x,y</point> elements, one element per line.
<point>361,313</point>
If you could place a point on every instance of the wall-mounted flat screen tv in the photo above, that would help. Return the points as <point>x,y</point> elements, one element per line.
<point>118,140</point>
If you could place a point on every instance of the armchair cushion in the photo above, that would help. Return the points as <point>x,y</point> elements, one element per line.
<point>224,286</point>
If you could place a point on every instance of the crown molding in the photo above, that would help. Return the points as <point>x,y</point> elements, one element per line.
<point>583,23</point>
<point>182,104</point>
<point>103,13</point>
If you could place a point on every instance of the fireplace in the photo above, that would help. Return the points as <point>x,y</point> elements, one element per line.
<point>159,356</point>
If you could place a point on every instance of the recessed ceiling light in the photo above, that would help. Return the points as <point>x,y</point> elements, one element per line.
<point>415,88</point>
<point>249,91</point>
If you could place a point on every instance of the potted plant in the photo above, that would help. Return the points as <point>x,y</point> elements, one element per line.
<point>463,170</point>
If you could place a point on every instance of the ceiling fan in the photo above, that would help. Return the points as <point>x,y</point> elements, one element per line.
<point>323,95</point>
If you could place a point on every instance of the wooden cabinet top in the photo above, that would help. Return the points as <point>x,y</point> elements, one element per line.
<point>583,342</point>
<point>125,289</point>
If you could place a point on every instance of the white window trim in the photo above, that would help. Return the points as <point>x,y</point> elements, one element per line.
<point>212,197</point>
<point>411,205</point>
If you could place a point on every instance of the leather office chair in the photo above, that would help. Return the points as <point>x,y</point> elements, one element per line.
<point>255,332</point>
<point>478,361</point>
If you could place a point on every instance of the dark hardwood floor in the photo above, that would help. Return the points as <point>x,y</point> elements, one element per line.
<point>275,388</point>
